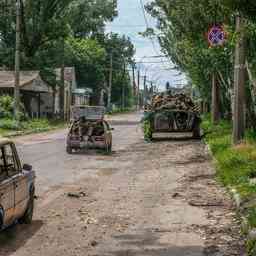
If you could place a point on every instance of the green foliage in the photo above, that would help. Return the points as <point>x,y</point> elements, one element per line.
<point>9,124</point>
<point>89,17</point>
<point>235,164</point>
<point>147,121</point>
<point>183,27</point>
<point>70,32</point>
<point>7,108</point>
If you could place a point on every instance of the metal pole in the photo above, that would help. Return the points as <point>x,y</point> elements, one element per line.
<point>17,61</point>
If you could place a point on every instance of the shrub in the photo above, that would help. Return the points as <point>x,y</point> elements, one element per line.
<point>10,124</point>
<point>7,108</point>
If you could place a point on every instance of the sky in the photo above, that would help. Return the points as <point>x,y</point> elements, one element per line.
<point>130,22</point>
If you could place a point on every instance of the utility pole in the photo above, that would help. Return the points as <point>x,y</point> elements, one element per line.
<point>62,82</point>
<point>138,81</point>
<point>123,88</point>
<point>215,100</point>
<point>144,90</point>
<point>133,81</point>
<point>17,61</point>
<point>239,83</point>
<point>110,82</point>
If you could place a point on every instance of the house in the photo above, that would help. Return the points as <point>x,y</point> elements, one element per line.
<point>35,94</point>
<point>81,96</point>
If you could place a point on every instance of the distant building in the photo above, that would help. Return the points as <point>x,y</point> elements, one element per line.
<point>81,96</point>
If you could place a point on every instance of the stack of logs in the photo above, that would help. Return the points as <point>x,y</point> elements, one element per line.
<point>170,101</point>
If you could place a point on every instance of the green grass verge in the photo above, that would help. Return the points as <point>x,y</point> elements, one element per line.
<point>236,166</point>
<point>10,127</point>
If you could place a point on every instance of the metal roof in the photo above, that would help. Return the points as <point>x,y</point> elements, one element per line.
<point>29,81</point>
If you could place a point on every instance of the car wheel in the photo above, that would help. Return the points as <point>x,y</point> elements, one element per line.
<point>196,133</point>
<point>1,218</point>
<point>109,148</point>
<point>69,150</point>
<point>28,215</point>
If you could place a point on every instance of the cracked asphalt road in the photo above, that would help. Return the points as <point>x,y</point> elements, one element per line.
<point>152,199</point>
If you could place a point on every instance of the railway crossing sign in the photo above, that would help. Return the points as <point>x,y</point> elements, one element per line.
<point>216,36</point>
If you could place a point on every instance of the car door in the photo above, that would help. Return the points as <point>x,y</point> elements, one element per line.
<point>6,190</point>
<point>21,194</point>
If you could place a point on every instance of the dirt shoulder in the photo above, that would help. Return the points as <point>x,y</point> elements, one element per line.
<point>146,199</point>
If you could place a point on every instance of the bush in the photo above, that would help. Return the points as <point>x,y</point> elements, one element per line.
<point>10,124</point>
<point>7,108</point>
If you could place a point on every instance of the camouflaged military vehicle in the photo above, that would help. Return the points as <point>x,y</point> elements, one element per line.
<point>169,113</point>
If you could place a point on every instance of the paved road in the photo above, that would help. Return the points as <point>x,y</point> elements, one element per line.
<point>147,199</point>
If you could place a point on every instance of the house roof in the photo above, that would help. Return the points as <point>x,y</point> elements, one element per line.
<point>27,79</point>
<point>82,91</point>
<point>7,78</point>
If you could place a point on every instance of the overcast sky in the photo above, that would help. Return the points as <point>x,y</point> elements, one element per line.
<point>130,22</point>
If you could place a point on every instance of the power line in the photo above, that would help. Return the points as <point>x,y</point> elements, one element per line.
<point>147,25</point>
<point>157,56</point>
<point>152,62</point>
<point>126,26</point>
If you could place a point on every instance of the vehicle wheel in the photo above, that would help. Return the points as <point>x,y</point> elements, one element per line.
<point>109,148</point>
<point>1,218</point>
<point>28,215</point>
<point>69,150</point>
<point>196,133</point>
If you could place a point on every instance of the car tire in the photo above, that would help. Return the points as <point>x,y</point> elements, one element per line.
<point>109,148</point>
<point>28,215</point>
<point>69,150</point>
<point>1,218</point>
<point>196,133</point>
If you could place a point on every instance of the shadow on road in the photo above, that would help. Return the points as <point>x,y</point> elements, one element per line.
<point>16,236</point>
<point>148,244</point>
<point>184,138</point>
<point>93,152</point>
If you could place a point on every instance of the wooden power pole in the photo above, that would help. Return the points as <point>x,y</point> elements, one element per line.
<point>138,81</point>
<point>110,81</point>
<point>144,90</point>
<point>133,81</point>
<point>215,99</point>
<point>17,61</point>
<point>239,83</point>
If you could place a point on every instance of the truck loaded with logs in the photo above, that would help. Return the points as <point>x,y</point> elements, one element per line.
<point>169,113</point>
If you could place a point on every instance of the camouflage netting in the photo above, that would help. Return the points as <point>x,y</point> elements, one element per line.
<point>168,101</point>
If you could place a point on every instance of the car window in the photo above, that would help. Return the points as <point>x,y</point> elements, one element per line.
<point>3,171</point>
<point>9,160</point>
